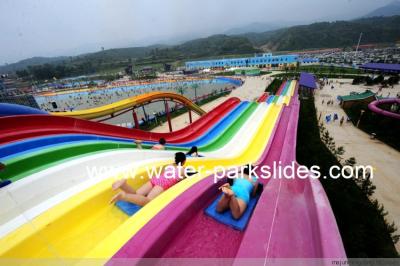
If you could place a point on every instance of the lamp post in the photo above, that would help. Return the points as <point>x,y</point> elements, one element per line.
<point>359,119</point>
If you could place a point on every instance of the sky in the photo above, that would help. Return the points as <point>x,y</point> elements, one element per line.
<point>69,27</point>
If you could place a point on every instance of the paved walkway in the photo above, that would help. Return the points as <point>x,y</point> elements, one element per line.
<point>384,159</point>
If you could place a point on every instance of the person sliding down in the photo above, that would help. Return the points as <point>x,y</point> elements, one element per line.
<point>193,152</point>
<point>151,189</point>
<point>160,145</point>
<point>237,197</point>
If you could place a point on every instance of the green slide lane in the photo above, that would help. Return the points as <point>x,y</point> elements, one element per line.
<point>230,132</point>
<point>287,86</point>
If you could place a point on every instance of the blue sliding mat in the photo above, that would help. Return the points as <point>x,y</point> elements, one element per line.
<point>226,217</point>
<point>127,207</point>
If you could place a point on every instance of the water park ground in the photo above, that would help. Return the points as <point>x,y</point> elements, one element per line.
<point>383,158</point>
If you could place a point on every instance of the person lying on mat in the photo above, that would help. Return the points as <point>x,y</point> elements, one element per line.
<point>193,152</point>
<point>160,145</point>
<point>151,189</point>
<point>237,197</point>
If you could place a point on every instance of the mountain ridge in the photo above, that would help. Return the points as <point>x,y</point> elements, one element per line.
<point>391,9</point>
<point>316,35</point>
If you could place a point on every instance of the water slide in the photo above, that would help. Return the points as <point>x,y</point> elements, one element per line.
<point>20,164</point>
<point>374,107</point>
<point>58,179</point>
<point>83,219</point>
<point>17,128</point>
<point>49,150</point>
<point>128,103</point>
<point>236,142</point>
<point>92,204</point>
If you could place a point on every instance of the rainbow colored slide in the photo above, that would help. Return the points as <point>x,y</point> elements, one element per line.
<point>57,206</point>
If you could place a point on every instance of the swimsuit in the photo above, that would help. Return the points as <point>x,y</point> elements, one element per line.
<point>243,188</point>
<point>166,180</point>
<point>158,147</point>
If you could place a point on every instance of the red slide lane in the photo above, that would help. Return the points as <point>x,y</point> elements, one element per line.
<point>14,128</point>
<point>263,97</point>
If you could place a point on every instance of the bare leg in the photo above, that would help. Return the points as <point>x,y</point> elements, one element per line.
<point>119,196</point>
<point>237,207</point>
<point>155,191</point>
<point>133,198</point>
<point>123,185</point>
<point>145,189</point>
<point>138,199</point>
<point>223,203</point>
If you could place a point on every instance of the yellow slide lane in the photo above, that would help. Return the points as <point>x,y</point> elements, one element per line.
<point>127,103</point>
<point>289,93</point>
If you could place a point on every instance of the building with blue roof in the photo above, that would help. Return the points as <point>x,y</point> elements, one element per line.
<point>265,60</point>
<point>381,67</point>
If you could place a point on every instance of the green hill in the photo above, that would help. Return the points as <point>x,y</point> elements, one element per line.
<point>216,45</point>
<point>329,34</point>
<point>316,35</point>
<point>31,62</point>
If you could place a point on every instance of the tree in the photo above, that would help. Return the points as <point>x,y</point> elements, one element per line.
<point>181,90</point>
<point>339,153</point>
<point>379,79</point>
<point>366,185</point>
<point>351,161</point>
<point>22,73</point>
